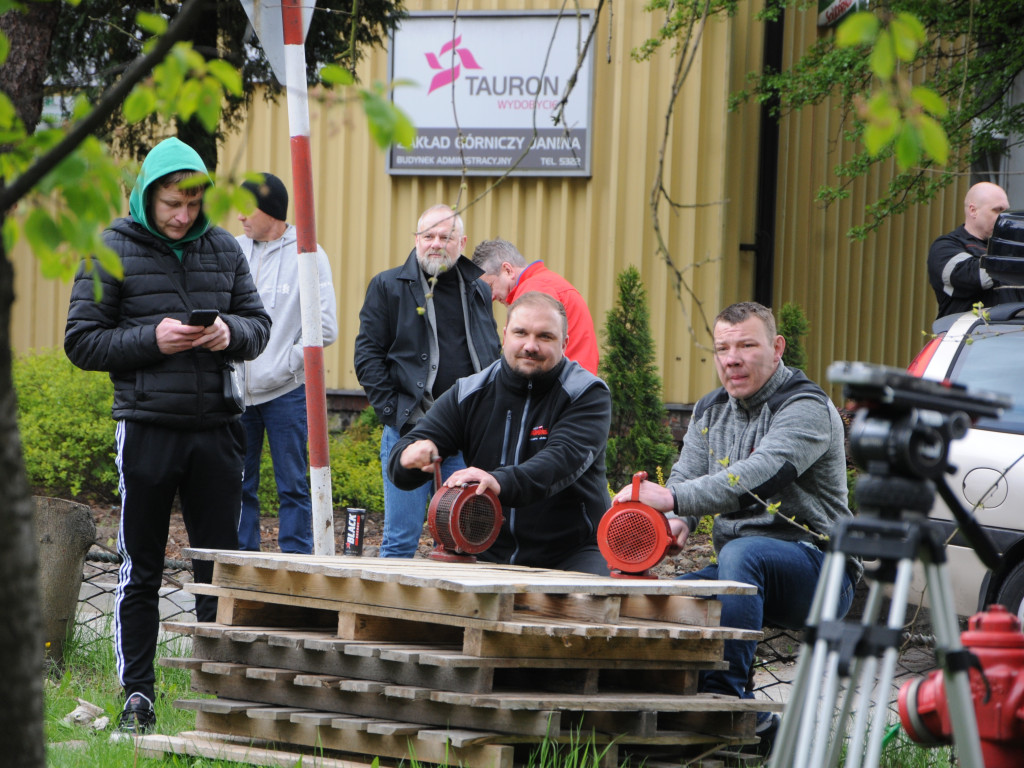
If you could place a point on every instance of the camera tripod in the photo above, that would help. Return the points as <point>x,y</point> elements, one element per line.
<point>904,451</point>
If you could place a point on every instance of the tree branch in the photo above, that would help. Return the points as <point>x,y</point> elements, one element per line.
<point>111,100</point>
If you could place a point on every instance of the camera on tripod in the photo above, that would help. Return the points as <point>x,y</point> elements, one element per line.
<point>904,424</point>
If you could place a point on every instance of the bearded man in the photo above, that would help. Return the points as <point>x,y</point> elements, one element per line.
<point>423,326</point>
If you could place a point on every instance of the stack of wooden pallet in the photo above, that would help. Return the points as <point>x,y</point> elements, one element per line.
<point>455,664</point>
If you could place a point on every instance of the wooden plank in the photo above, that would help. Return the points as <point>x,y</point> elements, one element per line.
<point>482,643</point>
<point>366,701</point>
<point>465,577</point>
<point>440,667</point>
<point>360,742</point>
<point>275,714</point>
<point>348,588</point>
<point>354,625</point>
<point>224,748</point>
<point>303,611</point>
<point>695,611</point>
<point>272,674</point>
<point>217,706</point>
<point>603,609</point>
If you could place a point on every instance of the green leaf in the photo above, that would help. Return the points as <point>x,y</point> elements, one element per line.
<point>8,114</point>
<point>914,25</point>
<point>929,100</point>
<point>110,262</point>
<point>934,140</point>
<point>210,104</point>
<point>10,231</point>
<point>141,103</point>
<point>883,59</point>
<point>228,76</point>
<point>332,74</point>
<point>381,118</point>
<point>151,22</point>
<point>243,200</point>
<point>188,99</point>
<point>217,203</point>
<point>905,44</point>
<point>908,147</point>
<point>405,131</point>
<point>859,29</point>
<point>5,47</point>
<point>41,231</point>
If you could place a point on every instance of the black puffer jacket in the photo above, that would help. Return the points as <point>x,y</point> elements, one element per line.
<point>543,439</point>
<point>118,333</point>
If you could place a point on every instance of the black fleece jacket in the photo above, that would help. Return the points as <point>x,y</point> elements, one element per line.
<point>543,439</point>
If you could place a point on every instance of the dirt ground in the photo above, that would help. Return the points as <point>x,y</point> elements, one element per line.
<point>696,555</point>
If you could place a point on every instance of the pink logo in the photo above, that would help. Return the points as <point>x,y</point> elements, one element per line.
<point>446,76</point>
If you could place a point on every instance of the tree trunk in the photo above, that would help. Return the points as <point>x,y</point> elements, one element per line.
<point>21,76</point>
<point>21,633</point>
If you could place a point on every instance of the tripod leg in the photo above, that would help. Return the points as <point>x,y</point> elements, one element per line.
<point>860,671</point>
<point>802,704</point>
<point>897,616</point>
<point>957,682</point>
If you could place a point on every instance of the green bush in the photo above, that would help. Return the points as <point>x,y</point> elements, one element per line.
<point>355,468</point>
<point>67,434</point>
<point>355,465</point>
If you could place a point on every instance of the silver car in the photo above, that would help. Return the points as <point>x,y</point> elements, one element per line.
<point>985,353</point>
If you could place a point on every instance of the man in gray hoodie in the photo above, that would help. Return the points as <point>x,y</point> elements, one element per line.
<point>275,382</point>
<point>764,454</point>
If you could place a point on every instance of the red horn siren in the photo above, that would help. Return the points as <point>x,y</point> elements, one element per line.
<point>462,522</point>
<point>634,537</point>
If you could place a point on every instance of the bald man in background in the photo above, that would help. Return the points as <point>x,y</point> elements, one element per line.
<point>954,260</point>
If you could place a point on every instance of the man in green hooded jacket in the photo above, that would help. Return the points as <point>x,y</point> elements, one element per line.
<point>177,429</point>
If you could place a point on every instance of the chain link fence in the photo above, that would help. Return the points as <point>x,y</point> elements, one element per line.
<point>95,614</point>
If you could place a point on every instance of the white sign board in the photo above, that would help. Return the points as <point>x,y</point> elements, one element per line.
<point>485,90</point>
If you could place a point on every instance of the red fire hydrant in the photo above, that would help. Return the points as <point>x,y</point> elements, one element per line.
<point>994,636</point>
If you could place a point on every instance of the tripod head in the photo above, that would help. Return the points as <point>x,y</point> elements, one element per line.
<point>901,434</point>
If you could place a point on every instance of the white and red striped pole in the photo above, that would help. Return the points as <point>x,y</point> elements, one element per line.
<point>309,279</point>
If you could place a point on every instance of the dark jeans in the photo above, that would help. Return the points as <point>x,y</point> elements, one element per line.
<point>786,576</point>
<point>283,419</point>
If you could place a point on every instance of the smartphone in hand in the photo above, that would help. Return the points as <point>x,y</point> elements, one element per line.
<point>203,317</point>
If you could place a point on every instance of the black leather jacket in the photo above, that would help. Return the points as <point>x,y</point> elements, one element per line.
<point>544,441</point>
<point>118,333</point>
<point>392,354</point>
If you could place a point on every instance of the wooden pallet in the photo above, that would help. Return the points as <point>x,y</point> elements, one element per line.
<point>477,664</point>
<point>431,665</point>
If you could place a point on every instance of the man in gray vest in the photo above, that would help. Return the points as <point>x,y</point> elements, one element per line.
<point>765,455</point>
<point>423,325</point>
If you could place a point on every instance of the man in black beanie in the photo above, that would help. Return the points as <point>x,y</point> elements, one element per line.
<point>275,382</point>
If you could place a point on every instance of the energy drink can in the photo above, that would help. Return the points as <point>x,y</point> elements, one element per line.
<point>354,531</point>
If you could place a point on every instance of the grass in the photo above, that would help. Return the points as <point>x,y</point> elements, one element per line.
<point>89,673</point>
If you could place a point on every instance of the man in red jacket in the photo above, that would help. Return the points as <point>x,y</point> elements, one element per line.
<point>509,276</point>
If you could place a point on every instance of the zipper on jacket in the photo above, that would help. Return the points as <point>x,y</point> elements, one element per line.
<point>515,461</point>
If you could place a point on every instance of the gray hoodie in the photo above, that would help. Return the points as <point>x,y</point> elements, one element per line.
<point>275,268</point>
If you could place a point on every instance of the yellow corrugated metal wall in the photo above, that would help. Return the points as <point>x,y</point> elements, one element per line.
<point>864,301</point>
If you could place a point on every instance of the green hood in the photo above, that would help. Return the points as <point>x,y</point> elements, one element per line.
<point>168,156</point>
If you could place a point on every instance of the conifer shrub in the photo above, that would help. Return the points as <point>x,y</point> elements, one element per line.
<point>793,326</point>
<point>67,434</point>
<point>639,438</point>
